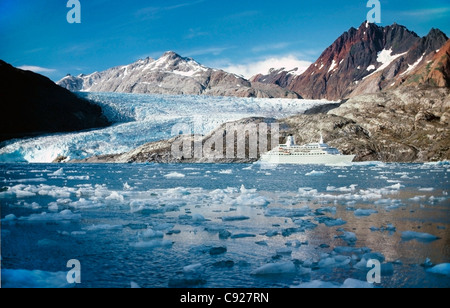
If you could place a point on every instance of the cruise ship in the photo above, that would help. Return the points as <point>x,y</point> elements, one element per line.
<point>312,153</point>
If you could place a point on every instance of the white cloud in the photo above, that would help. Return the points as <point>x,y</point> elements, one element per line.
<point>250,69</point>
<point>36,69</point>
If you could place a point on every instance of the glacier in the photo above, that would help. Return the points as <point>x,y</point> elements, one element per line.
<point>143,118</point>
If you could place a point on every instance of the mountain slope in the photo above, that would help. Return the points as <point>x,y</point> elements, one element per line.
<point>171,74</point>
<point>364,60</point>
<point>33,104</point>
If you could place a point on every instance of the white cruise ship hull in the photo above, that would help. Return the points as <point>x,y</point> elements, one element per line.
<point>307,159</point>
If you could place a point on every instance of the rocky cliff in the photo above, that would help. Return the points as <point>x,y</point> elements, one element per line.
<point>369,59</point>
<point>33,104</point>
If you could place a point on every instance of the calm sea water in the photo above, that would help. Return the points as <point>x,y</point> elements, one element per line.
<point>221,225</point>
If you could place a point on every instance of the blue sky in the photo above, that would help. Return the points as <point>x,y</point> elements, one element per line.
<point>241,36</point>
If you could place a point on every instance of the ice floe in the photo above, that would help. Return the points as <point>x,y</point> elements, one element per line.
<point>174,175</point>
<point>281,268</point>
<point>440,269</point>
<point>314,172</point>
<point>422,237</point>
<point>44,216</point>
<point>364,212</point>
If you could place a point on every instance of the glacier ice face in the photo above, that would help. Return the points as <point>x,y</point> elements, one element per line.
<point>140,119</point>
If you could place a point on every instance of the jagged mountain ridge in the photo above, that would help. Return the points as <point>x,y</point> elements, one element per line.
<point>368,59</point>
<point>172,74</point>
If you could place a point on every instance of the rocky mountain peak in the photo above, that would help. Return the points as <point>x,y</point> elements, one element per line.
<point>171,74</point>
<point>366,59</point>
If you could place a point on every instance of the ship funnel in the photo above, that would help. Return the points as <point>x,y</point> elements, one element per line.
<point>321,138</point>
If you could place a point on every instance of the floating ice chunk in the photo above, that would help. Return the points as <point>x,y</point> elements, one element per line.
<point>307,192</point>
<point>342,189</point>
<point>326,262</point>
<point>282,268</point>
<point>272,233</point>
<point>284,251</point>
<point>305,224</point>
<point>422,237</point>
<point>9,217</point>
<point>282,212</point>
<point>242,235</point>
<point>134,285</point>
<point>24,194</point>
<point>330,222</point>
<point>235,218</point>
<point>126,186</point>
<point>214,251</point>
<point>356,284</point>
<point>293,243</point>
<point>252,200</point>
<point>426,189</point>
<point>174,175</point>
<point>198,217</point>
<point>103,227</point>
<point>393,206</point>
<point>53,206</point>
<point>361,265</point>
<point>349,237</point>
<point>395,186</point>
<point>28,180</point>
<point>153,244</point>
<point>58,172</point>
<point>227,171</point>
<point>364,212</point>
<point>350,250</point>
<point>151,234</point>
<point>440,269</point>
<point>78,177</point>
<point>328,209</point>
<point>391,227</point>
<point>21,278</point>
<point>115,196</point>
<point>193,268</point>
<point>417,198</point>
<point>224,234</point>
<point>244,190</point>
<point>314,172</point>
<point>44,216</point>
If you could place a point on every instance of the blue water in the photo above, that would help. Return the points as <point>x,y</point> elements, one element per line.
<point>144,223</point>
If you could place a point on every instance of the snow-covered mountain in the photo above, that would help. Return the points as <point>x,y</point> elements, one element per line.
<point>171,74</point>
<point>369,59</point>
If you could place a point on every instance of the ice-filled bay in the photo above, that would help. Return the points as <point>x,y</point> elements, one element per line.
<point>224,225</point>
